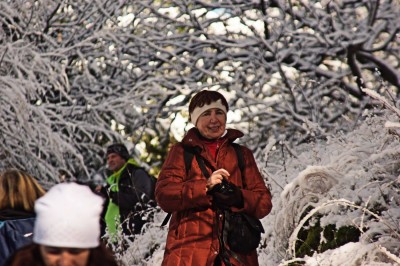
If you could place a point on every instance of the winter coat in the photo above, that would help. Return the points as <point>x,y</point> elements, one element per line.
<point>30,255</point>
<point>192,238</point>
<point>134,184</point>
<point>16,231</point>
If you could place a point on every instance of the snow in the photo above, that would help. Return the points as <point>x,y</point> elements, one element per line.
<point>343,179</point>
<point>348,254</point>
<point>359,171</point>
<point>65,75</point>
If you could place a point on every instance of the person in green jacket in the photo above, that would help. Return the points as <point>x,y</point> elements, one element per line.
<point>128,191</point>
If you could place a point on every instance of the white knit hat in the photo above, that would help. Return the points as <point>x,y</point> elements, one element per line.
<point>199,110</point>
<point>68,215</point>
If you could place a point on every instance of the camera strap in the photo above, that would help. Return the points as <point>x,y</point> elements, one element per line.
<point>202,165</point>
<point>224,253</point>
<point>203,169</point>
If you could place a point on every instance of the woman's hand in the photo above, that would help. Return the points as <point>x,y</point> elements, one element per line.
<point>216,178</point>
<point>226,200</point>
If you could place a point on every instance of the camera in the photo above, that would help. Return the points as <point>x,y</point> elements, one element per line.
<point>225,187</point>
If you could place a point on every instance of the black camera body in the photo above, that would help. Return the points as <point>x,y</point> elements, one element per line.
<point>225,188</point>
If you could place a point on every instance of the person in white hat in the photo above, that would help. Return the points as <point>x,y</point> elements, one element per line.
<point>66,230</point>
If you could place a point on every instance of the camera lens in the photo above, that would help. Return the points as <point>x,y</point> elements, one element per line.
<point>225,188</point>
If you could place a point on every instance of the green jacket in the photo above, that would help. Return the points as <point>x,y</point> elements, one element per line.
<point>128,190</point>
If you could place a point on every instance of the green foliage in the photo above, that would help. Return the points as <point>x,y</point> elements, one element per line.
<point>310,238</point>
<point>336,238</point>
<point>309,241</point>
<point>155,151</point>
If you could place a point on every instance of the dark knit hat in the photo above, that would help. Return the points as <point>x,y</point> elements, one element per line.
<point>119,149</point>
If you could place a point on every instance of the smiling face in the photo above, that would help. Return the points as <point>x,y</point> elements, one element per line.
<point>211,123</point>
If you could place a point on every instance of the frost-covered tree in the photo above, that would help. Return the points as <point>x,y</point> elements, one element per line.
<point>76,75</point>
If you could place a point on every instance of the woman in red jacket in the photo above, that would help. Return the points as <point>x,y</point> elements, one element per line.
<point>194,236</point>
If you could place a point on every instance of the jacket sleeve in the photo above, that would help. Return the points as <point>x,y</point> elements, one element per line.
<point>174,190</point>
<point>256,196</point>
<point>135,189</point>
<point>4,246</point>
<point>14,234</point>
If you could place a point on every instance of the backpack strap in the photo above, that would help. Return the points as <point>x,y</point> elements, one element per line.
<point>202,166</point>
<point>166,219</point>
<point>188,155</point>
<point>239,156</point>
<point>188,158</point>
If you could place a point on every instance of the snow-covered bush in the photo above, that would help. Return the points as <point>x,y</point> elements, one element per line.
<point>346,186</point>
<point>346,182</point>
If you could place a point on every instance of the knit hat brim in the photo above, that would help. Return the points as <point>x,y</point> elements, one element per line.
<point>194,116</point>
<point>119,149</point>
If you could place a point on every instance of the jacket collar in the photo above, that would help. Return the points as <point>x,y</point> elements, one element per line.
<point>194,139</point>
<point>12,214</point>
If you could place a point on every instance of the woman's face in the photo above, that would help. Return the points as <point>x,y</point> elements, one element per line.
<point>211,123</point>
<point>56,256</point>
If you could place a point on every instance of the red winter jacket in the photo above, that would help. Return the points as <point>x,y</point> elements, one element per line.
<point>192,238</point>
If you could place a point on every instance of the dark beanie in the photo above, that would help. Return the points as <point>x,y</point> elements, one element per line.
<point>119,149</point>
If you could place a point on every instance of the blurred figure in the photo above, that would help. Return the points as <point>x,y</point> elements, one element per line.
<point>18,192</point>
<point>66,231</point>
<point>129,191</point>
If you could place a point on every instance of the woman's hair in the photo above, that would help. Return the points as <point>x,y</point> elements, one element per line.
<point>206,97</point>
<point>18,190</point>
